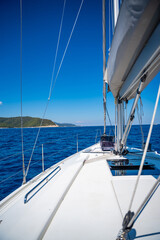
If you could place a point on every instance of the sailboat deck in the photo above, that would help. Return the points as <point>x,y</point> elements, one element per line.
<point>82,201</point>
<point>87,210</point>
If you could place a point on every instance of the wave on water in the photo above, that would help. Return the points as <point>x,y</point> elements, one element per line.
<point>58,143</point>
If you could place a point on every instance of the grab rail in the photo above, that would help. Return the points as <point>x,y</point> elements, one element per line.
<point>26,196</point>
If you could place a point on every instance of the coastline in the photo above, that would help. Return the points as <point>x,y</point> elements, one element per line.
<point>48,126</point>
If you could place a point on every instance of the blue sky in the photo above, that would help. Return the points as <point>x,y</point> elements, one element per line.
<point>77,96</point>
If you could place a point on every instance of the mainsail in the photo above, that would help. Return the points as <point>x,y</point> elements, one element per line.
<point>135,49</point>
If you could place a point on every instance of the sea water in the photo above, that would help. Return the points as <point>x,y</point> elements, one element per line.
<point>57,143</point>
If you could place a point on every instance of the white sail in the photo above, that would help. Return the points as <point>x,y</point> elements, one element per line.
<point>95,194</point>
<point>136,23</point>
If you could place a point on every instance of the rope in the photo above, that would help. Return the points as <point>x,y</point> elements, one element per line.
<point>104,62</point>
<point>98,136</point>
<point>141,108</point>
<point>58,151</point>
<point>127,133</point>
<point>17,172</point>
<point>53,84</point>
<point>36,139</point>
<point>23,165</point>
<point>145,150</point>
<point>59,35</point>
<point>117,199</point>
<point>10,176</point>
<point>17,154</point>
<point>47,156</point>
<point>140,122</point>
<point>124,122</point>
<point>32,165</point>
<point>55,59</point>
<point>115,129</point>
<point>60,139</point>
<point>67,45</point>
<point>126,111</point>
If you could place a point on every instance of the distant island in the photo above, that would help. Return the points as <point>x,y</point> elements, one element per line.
<point>15,122</point>
<point>65,124</point>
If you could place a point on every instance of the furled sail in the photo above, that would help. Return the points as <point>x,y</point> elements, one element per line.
<point>135,49</point>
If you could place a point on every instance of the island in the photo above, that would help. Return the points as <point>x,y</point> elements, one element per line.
<point>15,122</point>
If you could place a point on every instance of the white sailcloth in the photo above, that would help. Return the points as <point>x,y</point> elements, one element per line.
<point>136,27</point>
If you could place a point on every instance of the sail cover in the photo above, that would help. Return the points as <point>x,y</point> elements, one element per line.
<point>138,20</point>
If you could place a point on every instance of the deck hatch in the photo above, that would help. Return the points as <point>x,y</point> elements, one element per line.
<point>131,165</point>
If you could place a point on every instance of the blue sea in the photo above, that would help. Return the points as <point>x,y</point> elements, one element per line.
<point>58,143</point>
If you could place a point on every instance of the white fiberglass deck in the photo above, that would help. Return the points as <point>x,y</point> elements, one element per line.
<point>88,208</point>
<point>82,201</point>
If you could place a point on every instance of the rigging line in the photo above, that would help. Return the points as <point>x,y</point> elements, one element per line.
<point>143,75</point>
<point>55,59</point>
<point>117,200</point>
<point>18,172</point>
<point>52,154</point>
<point>123,115</point>
<point>36,139</point>
<point>67,45</point>
<point>23,165</point>
<point>53,142</point>
<point>10,176</point>
<point>127,133</point>
<point>50,91</point>
<point>109,28</point>
<point>55,82</point>
<point>126,112</point>
<point>104,60</point>
<point>145,150</point>
<point>141,108</point>
<point>16,154</point>
<point>138,79</point>
<point>37,161</point>
<point>115,126</point>
<point>140,124</point>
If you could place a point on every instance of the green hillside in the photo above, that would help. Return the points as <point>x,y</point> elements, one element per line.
<point>15,122</point>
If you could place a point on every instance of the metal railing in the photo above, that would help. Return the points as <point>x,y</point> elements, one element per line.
<point>26,199</point>
<point>75,140</point>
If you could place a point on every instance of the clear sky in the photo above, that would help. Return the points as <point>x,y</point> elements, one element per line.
<point>77,96</point>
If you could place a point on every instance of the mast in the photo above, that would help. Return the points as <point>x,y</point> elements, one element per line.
<point>119,103</point>
<point>138,64</point>
<point>104,61</point>
<point>116,11</point>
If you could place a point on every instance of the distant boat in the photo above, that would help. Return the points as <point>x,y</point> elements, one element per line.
<point>101,193</point>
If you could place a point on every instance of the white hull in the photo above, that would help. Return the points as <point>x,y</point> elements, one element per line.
<point>82,201</point>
